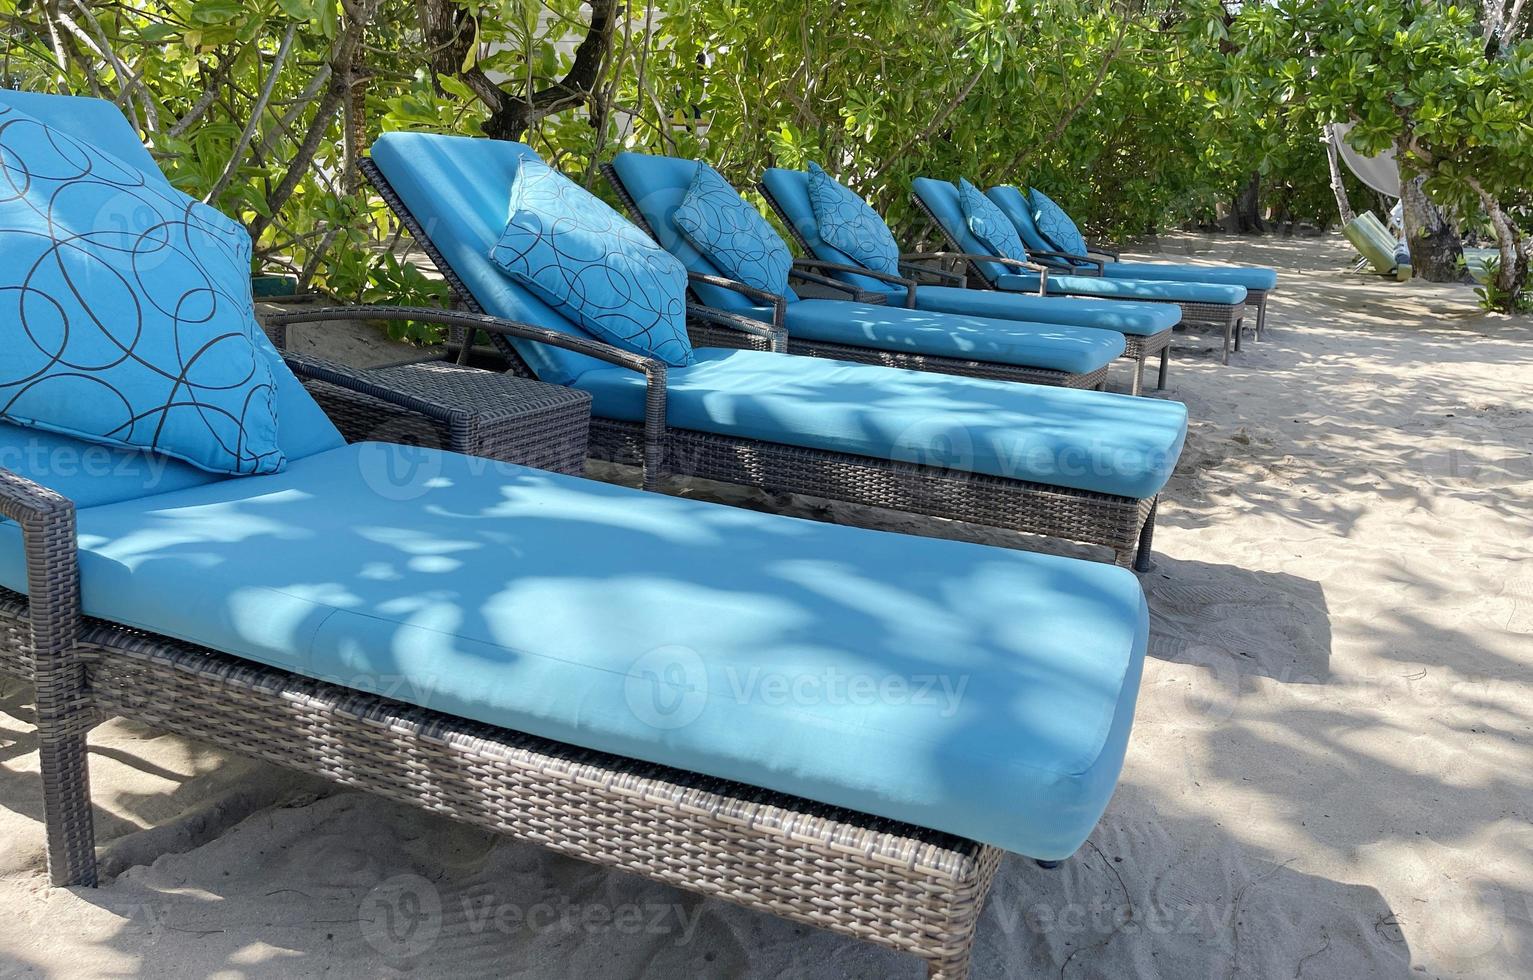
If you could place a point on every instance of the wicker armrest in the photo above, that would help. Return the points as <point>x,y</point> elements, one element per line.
<point>824,266</point>
<point>1042,270</point>
<point>775,336</point>
<point>654,370</point>
<point>915,268</point>
<point>778,303</point>
<point>362,382</point>
<point>1106,253</point>
<point>1072,261</point>
<point>49,544</point>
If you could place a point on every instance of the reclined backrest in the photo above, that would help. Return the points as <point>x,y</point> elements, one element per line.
<point>459,189</point>
<point>1015,205</point>
<point>789,189</point>
<point>90,473</point>
<point>658,185</point>
<point>941,198</point>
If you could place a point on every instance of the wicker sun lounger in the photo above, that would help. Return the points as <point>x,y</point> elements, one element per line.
<point>821,274</point>
<point>914,890</point>
<point>1224,317</point>
<point>1123,524</point>
<point>1020,206</point>
<point>223,606</point>
<point>928,279</point>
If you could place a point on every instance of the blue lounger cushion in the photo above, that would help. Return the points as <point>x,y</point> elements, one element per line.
<point>1104,287</point>
<point>1074,350</point>
<point>1252,277</point>
<point>1139,319</point>
<point>304,429</point>
<point>1088,440</point>
<point>1002,682</point>
<point>460,189</point>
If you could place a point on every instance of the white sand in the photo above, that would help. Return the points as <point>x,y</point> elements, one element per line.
<point>1331,774</point>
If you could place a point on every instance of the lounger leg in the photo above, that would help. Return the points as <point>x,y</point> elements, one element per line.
<point>1165,361</point>
<point>1240,324</point>
<point>1261,317</point>
<point>1226,357</point>
<point>951,967</point>
<point>1142,561</point>
<point>66,806</point>
<point>1138,383</point>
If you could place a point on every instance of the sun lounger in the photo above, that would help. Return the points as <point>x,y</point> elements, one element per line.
<point>1205,303</point>
<point>1082,465</point>
<point>584,667</point>
<point>1146,327</point>
<point>1061,245</point>
<point>892,331</point>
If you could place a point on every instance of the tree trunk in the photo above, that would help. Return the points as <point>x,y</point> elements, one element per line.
<point>1247,210</point>
<point>1338,185</point>
<point>1430,235</point>
<point>1512,276</point>
<point>512,113</point>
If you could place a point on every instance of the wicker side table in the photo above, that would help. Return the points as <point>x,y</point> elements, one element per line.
<point>492,415</point>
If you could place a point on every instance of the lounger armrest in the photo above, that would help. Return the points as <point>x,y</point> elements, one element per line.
<point>1042,270</point>
<point>1073,261</point>
<point>49,546</point>
<point>653,369</point>
<point>363,382</point>
<point>804,275</point>
<point>1106,253</point>
<point>778,303</point>
<point>915,268</point>
<point>820,265</point>
<point>776,337</point>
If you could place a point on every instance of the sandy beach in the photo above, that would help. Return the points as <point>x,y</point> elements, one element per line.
<point>1331,773</point>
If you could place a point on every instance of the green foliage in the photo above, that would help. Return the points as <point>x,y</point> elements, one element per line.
<point>1136,116</point>
<point>1420,76</point>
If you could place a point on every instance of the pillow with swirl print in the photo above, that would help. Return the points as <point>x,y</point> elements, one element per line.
<point>593,266</point>
<point>849,223</point>
<point>125,310</point>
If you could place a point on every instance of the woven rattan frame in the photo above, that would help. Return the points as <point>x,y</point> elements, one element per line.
<point>1123,524</point>
<point>964,367</point>
<point>911,889</point>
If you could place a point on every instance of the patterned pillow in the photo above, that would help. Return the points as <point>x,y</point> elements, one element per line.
<point>847,222</point>
<point>125,309</point>
<point>1055,225</point>
<point>592,265</point>
<point>988,223</point>
<point>723,226</point>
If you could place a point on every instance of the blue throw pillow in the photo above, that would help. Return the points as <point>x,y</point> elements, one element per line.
<point>989,223</point>
<point>1055,225</point>
<point>125,309</point>
<point>847,222</point>
<point>592,265</point>
<point>733,235</point>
